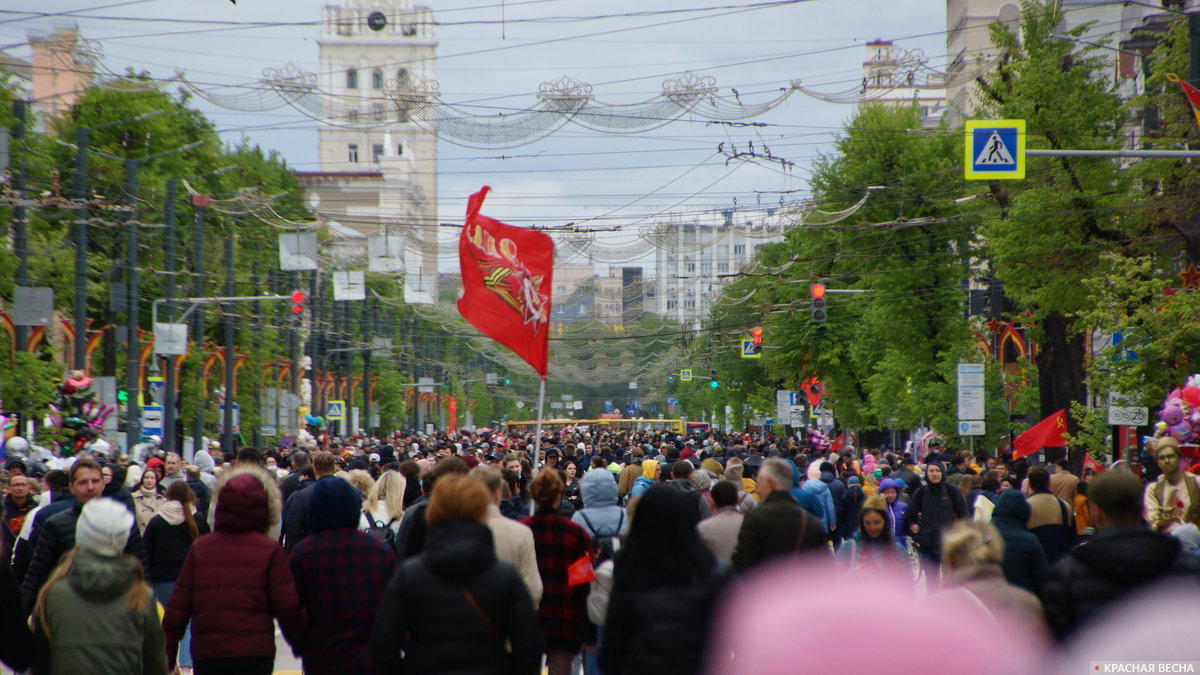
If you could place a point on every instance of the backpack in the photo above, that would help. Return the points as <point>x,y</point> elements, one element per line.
<point>379,530</point>
<point>605,540</point>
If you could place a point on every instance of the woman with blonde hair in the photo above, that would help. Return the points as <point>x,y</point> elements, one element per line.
<point>971,555</point>
<point>384,504</point>
<point>96,614</point>
<point>361,479</point>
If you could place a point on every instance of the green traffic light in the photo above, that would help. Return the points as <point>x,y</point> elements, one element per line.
<point>714,384</point>
<point>122,396</point>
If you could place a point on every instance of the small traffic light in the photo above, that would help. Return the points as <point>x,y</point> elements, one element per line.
<point>298,300</point>
<point>504,382</point>
<point>817,291</point>
<point>714,383</point>
<point>756,338</point>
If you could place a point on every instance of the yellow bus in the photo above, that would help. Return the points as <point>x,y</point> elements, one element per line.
<point>556,425</point>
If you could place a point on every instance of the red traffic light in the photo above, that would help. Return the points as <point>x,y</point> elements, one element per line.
<point>756,334</point>
<point>817,290</point>
<point>298,300</point>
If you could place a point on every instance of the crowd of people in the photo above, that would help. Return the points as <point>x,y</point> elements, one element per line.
<point>582,551</point>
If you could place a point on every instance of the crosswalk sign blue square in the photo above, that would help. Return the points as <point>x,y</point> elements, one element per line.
<point>335,410</point>
<point>995,149</point>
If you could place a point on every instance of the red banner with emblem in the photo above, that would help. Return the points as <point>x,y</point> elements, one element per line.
<point>506,275</point>
<point>1045,434</point>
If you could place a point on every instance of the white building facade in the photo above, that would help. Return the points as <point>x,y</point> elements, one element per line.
<point>378,170</point>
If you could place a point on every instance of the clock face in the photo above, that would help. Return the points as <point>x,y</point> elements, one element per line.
<point>376,21</point>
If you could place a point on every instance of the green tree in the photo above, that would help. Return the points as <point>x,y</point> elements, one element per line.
<point>1048,232</point>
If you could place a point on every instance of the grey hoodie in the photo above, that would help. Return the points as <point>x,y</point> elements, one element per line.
<point>599,491</point>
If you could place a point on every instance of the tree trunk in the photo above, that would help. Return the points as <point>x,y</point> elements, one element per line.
<point>1060,363</point>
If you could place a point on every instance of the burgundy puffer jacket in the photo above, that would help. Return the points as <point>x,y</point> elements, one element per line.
<point>236,580</point>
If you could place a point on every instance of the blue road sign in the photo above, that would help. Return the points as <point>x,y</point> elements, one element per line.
<point>995,149</point>
<point>335,410</point>
<point>748,351</point>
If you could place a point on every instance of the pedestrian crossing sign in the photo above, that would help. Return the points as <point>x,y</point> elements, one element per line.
<point>748,351</point>
<point>685,375</point>
<point>336,410</point>
<point>995,149</point>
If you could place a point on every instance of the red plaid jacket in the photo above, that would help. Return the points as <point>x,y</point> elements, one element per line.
<point>563,610</point>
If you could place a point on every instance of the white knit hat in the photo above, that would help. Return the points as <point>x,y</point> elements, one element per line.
<point>103,526</point>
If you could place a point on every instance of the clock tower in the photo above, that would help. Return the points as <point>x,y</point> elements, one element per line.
<point>378,170</point>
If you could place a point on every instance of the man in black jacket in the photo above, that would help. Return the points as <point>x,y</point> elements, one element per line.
<point>1123,556</point>
<point>58,535</point>
<point>295,509</point>
<point>778,526</point>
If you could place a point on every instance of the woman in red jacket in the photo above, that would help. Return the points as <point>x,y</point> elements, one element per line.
<point>235,582</point>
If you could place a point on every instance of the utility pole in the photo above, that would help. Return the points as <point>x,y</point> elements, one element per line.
<point>133,410</point>
<point>227,435</point>
<point>20,233</point>
<point>168,402</point>
<point>293,355</point>
<point>365,417</point>
<point>199,204</point>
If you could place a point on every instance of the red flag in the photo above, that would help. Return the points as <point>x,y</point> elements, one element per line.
<point>1193,94</point>
<point>1045,434</point>
<point>451,413</point>
<point>1090,464</point>
<point>504,272</point>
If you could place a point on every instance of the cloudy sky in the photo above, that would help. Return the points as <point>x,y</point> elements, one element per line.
<point>494,53</point>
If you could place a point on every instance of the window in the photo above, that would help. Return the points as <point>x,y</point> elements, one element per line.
<point>739,249</point>
<point>352,153</point>
<point>378,112</point>
<point>352,115</point>
<point>691,267</point>
<point>377,79</point>
<point>399,149</point>
<point>722,268</point>
<point>352,79</point>
<point>376,152</point>
<point>402,78</point>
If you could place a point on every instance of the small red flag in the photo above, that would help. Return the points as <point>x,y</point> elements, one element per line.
<point>1193,94</point>
<point>1090,464</point>
<point>1045,434</point>
<point>504,272</point>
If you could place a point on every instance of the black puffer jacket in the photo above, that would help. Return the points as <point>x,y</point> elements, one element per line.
<point>425,611</point>
<point>58,537</point>
<point>662,631</point>
<point>1111,565</point>
<point>1024,563</point>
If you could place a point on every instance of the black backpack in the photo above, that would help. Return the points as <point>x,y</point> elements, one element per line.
<point>379,530</point>
<point>605,540</point>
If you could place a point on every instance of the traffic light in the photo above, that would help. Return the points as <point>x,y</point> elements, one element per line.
<point>713,382</point>
<point>756,335</point>
<point>298,301</point>
<point>817,291</point>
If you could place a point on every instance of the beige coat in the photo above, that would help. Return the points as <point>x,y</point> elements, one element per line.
<point>146,508</point>
<point>514,545</point>
<point>720,531</point>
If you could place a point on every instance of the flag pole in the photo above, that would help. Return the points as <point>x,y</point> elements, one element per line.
<point>537,438</point>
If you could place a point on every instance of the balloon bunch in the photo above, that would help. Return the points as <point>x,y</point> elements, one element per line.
<point>818,438</point>
<point>1180,414</point>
